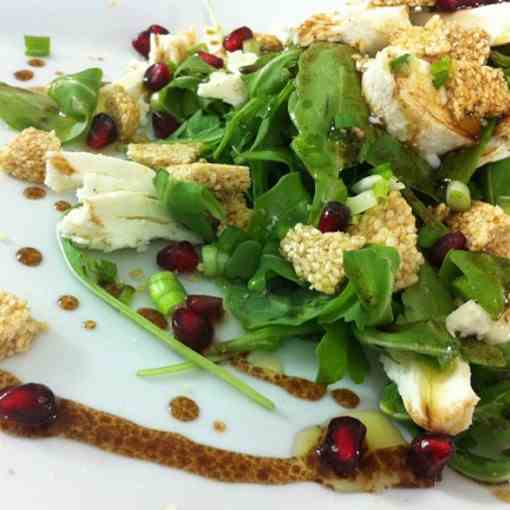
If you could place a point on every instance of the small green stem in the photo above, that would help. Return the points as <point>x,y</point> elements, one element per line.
<point>178,368</point>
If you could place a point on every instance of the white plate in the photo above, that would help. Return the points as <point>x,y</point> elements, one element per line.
<point>98,367</point>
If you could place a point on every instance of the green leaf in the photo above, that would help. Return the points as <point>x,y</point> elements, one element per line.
<point>398,64</point>
<point>408,166</point>
<point>371,272</point>
<point>479,276</point>
<point>441,71</point>
<point>358,364</point>
<point>282,207</point>
<point>430,338</point>
<point>392,405</point>
<point>189,203</point>
<point>462,164</point>
<point>244,262</point>
<point>271,78</point>
<point>195,67</point>
<point>179,97</point>
<point>499,59</point>
<point>480,353</point>
<point>265,339</point>
<point>496,180</point>
<point>327,87</point>
<point>332,353</point>
<point>428,299</point>
<point>76,96</point>
<point>78,262</point>
<point>204,128</point>
<point>482,469</point>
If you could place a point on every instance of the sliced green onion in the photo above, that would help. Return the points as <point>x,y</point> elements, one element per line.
<point>127,294</point>
<point>178,368</point>
<point>36,46</point>
<point>210,261</point>
<point>385,170</point>
<point>398,64</point>
<point>166,292</point>
<point>440,72</point>
<point>458,196</point>
<point>367,183</point>
<point>382,188</point>
<point>362,202</point>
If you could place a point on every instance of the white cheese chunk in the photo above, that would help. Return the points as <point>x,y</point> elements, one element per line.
<point>121,219</point>
<point>229,88</point>
<point>238,59</point>
<point>439,400</point>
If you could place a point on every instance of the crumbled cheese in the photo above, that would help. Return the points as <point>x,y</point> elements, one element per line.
<point>172,47</point>
<point>486,227</point>
<point>393,224</point>
<point>470,319</point>
<point>18,329</point>
<point>158,155</point>
<point>229,88</point>
<point>25,156</point>
<point>239,59</point>
<point>317,257</point>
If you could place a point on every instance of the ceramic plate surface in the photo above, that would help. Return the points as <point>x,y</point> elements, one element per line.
<point>98,368</point>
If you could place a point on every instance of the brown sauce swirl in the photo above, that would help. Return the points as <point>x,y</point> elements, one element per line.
<point>118,435</point>
<point>34,193</point>
<point>300,388</point>
<point>24,75</point>
<point>36,62</point>
<point>28,256</point>
<point>154,316</point>
<point>184,409</point>
<point>62,206</point>
<point>68,303</point>
<point>346,398</point>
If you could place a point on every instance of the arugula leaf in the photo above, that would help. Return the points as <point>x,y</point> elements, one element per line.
<point>408,166</point>
<point>428,299</point>
<point>480,353</point>
<point>371,272</point>
<point>479,276</point>
<point>272,77</point>
<point>189,203</point>
<point>77,96</point>
<point>179,97</point>
<point>265,339</point>
<point>496,180</point>
<point>327,86</point>
<point>282,207</point>
<point>462,164</point>
<point>392,405</point>
<point>79,262</point>
<point>427,337</point>
<point>195,67</point>
<point>441,71</point>
<point>332,353</point>
<point>204,128</point>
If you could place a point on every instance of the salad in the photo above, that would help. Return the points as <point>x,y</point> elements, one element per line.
<point>346,184</point>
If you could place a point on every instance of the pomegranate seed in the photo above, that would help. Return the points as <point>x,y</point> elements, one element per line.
<point>28,404</point>
<point>192,329</point>
<point>142,43</point>
<point>335,218</point>
<point>429,454</point>
<point>455,5</point>
<point>207,306</point>
<point>343,447</point>
<point>157,76</point>
<point>235,40</point>
<point>181,257</point>
<point>103,132</point>
<point>211,59</point>
<point>451,241</point>
<point>164,125</point>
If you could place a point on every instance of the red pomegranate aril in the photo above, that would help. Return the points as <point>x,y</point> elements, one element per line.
<point>142,43</point>
<point>206,306</point>
<point>335,218</point>
<point>211,59</point>
<point>235,40</point>
<point>103,132</point>
<point>192,329</point>
<point>343,446</point>
<point>451,241</point>
<point>157,76</point>
<point>429,454</point>
<point>28,404</point>
<point>181,257</point>
<point>164,125</point>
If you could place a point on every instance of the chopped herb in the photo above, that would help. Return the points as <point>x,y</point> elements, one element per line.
<point>36,46</point>
<point>440,72</point>
<point>397,64</point>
